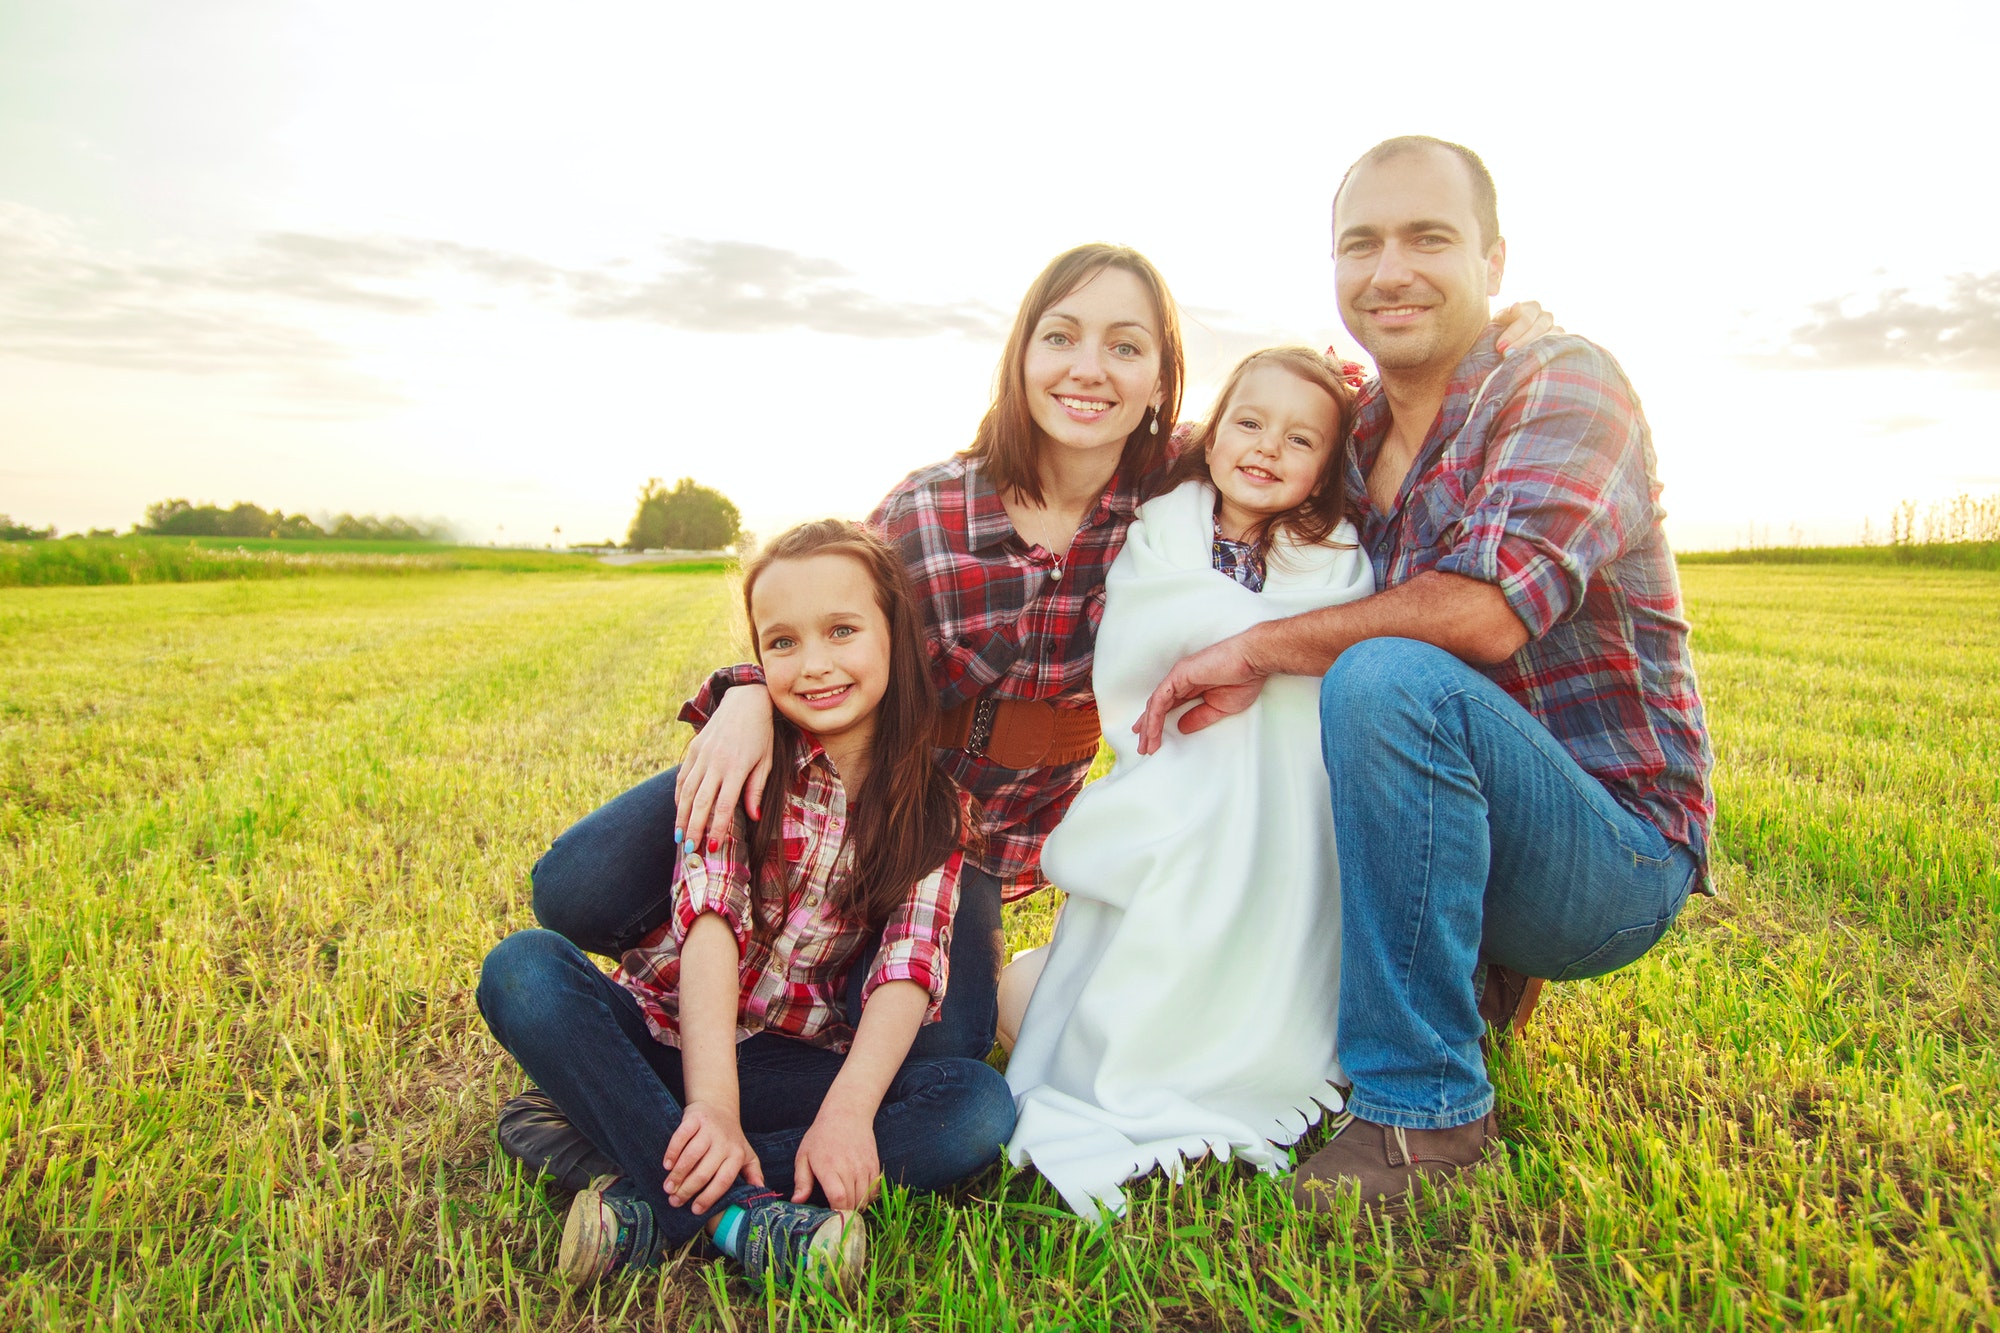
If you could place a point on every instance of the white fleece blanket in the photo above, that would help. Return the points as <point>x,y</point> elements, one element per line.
<point>1188,1002</point>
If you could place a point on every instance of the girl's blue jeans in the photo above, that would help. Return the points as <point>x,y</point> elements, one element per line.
<point>608,879</point>
<point>583,1040</point>
<point>1466,832</point>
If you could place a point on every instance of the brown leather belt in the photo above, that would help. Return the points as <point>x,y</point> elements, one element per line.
<point>1020,733</point>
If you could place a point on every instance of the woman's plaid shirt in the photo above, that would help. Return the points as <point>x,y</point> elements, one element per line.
<point>793,983</point>
<point>1538,477</point>
<point>998,622</point>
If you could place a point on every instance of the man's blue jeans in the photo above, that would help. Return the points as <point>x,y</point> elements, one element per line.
<point>1465,830</point>
<point>583,1040</point>
<point>608,879</point>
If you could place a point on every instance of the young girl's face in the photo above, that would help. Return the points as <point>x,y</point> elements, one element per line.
<point>1272,448</point>
<point>824,643</point>
<point>1092,366</point>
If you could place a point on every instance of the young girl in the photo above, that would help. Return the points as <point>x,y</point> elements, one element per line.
<point>717,1068</point>
<point>1187,1002</point>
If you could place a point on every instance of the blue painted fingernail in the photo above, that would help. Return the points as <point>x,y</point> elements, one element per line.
<point>680,837</point>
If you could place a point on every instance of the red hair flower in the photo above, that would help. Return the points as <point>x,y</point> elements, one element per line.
<point>1353,372</point>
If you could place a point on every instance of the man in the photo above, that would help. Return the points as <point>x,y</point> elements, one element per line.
<point>1518,758</point>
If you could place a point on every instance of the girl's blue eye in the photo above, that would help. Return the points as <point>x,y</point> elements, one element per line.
<point>1302,442</point>
<point>1126,349</point>
<point>842,631</point>
<point>778,645</point>
<point>1248,423</point>
<point>1056,339</point>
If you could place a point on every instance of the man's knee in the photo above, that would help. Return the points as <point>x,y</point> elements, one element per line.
<point>1377,684</point>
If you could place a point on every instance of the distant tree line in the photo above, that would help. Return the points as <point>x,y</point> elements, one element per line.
<point>178,518</point>
<point>10,531</point>
<point>690,517</point>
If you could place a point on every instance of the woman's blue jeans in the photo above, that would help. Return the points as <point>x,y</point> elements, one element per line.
<point>1466,832</point>
<point>609,878</point>
<point>583,1040</point>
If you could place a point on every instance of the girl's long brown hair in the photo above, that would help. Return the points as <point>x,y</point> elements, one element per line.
<point>906,820</point>
<point>1313,519</point>
<point>1008,442</point>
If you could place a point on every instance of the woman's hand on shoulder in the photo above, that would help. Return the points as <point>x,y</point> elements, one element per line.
<point>727,761</point>
<point>838,1153</point>
<point>1522,323</point>
<point>706,1155</point>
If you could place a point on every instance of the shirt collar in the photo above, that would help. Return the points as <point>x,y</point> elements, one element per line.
<point>1371,414</point>
<point>810,753</point>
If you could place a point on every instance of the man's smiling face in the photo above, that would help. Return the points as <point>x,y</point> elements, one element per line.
<point>1412,270</point>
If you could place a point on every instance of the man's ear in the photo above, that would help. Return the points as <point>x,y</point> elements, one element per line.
<point>1496,264</point>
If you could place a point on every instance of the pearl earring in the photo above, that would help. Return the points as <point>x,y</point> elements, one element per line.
<point>1156,420</point>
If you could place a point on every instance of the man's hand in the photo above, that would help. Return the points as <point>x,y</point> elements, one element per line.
<point>839,1153</point>
<point>705,1156</point>
<point>1222,676</point>
<point>728,759</point>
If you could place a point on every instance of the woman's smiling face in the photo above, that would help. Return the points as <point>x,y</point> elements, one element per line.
<point>1092,368</point>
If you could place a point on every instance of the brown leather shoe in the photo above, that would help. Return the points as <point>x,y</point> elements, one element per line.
<point>533,1129</point>
<point>1387,1163</point>
<point>1508,999</point>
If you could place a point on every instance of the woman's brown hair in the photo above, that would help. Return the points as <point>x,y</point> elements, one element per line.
<point>906,820</point>
<point>1314,518</point>
<point>1008,443</point>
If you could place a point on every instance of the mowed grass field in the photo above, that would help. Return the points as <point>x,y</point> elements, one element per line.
<point>255,837</point>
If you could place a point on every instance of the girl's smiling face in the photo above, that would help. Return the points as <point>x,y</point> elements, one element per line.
<point>824,644</point>
<point>1092,367</point>
<point>1272,448</point>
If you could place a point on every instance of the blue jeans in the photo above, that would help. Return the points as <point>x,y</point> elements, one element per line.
<point>1465,830</point>
<point>609,878</point>
<point>583,1040</point>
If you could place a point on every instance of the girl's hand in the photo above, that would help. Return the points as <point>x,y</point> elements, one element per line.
<point>1523,322</point>
<point>729,758</point>
<point>838,1153</point>
<point>705,1156</point>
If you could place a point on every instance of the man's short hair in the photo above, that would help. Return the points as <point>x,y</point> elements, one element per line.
<point>1485,202</point>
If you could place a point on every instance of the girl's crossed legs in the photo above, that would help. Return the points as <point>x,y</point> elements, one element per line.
<point>581,1037</point>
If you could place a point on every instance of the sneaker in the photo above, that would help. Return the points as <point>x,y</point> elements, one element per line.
<point>534,1130</point>
<point>1389,1163</point>
<point>783,1240</point>
<point>604,1234</point>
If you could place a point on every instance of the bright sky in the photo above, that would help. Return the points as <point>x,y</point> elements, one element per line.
<point>499,263</point>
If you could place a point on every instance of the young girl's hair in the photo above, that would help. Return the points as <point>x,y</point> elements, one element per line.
<point>1314,518</point>
<point>1007,440</point>
<point>906,819</point>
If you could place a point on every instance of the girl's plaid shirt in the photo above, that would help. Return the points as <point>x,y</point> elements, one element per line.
<point>1538,477</point>
<point>997,622</point>
<point>793,983</point>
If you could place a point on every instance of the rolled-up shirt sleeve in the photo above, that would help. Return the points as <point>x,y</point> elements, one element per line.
<point>718,882</point>
<point>916,940</point>
<point>1564,486</point>
<point>698,710</point>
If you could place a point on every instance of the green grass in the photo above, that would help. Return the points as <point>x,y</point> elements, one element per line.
<point>257,835</point>
<point>108,560</point>
<point>1933,555</point>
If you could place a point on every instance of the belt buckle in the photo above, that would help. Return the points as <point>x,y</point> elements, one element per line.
<point>982,725</point>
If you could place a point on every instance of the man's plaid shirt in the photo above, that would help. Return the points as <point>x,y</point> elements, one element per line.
<point>793,983</point>
<point>1546,489</point>
<point>997,622</point>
